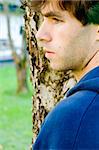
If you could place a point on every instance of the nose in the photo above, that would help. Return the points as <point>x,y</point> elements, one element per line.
<point>43,34</point>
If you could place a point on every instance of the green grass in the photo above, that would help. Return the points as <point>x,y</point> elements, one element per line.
<point>15,112</point>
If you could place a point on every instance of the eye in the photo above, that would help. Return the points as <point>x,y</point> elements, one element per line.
<point>56,20</point>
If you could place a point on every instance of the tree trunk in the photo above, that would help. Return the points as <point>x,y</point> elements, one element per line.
<point>50,86</point>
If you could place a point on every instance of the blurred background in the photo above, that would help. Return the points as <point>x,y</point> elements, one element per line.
<point>15,86</point>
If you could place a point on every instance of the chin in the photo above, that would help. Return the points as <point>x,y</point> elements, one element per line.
<point>58,67</point>
<point>54,67</point>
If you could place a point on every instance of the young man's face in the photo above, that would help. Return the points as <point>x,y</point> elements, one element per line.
<point>65,40</point>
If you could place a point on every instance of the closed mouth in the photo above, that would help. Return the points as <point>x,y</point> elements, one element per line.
<point>49,52</point>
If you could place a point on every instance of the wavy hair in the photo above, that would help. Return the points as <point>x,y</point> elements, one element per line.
<point>86,11</point>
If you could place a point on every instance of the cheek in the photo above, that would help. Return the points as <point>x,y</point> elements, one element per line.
<point>62,36</point>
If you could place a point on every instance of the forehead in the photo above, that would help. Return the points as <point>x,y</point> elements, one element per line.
<point>51,6</point>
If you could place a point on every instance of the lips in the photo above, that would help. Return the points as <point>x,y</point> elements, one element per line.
<point>49,54</point>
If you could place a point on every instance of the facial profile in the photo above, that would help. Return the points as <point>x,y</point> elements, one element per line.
<point>66,41</point>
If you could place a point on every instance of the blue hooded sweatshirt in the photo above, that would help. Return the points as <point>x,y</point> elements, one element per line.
<point>74,123</point>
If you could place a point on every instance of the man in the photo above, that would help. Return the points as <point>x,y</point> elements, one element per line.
<point>69,35</point>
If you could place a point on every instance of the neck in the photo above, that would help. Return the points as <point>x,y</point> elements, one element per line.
<point>94,62</point>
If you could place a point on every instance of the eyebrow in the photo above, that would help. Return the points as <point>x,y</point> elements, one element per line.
<point>51,14</point>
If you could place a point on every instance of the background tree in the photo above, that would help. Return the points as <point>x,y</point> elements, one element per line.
<point>20,60</point>
<point>50,86</point>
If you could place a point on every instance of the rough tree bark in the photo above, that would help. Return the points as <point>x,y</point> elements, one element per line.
<point>50,86</point>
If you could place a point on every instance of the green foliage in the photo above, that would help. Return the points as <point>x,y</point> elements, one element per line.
<point>15,113</point>
<point>93,14</point>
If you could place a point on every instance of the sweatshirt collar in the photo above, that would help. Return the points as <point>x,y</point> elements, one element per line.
<point>87,82</point>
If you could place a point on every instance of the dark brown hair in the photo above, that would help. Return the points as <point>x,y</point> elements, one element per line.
<point>87,11</point>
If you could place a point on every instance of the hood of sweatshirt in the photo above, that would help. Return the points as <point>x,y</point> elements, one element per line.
<point>89,82</point>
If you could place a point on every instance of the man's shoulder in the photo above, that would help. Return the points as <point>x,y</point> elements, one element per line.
<point>70,106</point>
<point>69,113</point>
<point>60,127</point>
